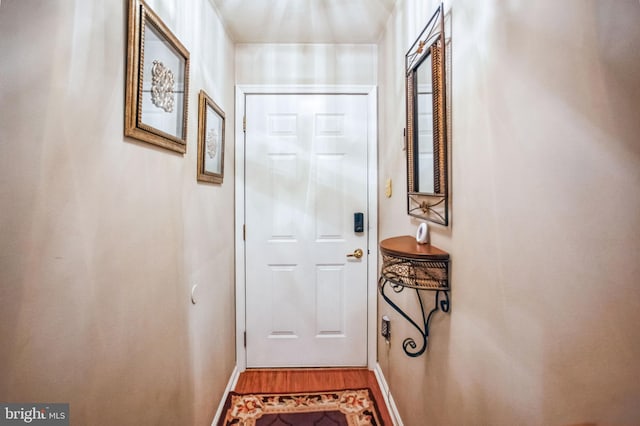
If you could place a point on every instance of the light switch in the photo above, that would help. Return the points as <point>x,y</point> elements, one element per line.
<point>387,189</point>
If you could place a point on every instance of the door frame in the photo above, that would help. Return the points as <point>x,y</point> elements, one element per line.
<point>372,204</point>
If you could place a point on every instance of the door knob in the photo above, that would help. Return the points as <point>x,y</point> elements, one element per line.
<point>357,253</point>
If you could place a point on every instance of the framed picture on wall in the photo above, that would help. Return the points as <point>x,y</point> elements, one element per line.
<point>157,90</point>
<point>210,140</point>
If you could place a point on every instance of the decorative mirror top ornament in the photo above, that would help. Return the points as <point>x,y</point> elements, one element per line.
<point>162,86</point>
<point>426,131</point>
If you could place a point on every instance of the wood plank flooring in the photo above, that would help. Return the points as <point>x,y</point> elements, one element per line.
<point>312,380</point>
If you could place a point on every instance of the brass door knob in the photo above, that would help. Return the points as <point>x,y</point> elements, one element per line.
<point>357,253</point>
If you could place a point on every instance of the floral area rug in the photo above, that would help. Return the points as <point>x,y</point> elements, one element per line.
<point>344,408</point>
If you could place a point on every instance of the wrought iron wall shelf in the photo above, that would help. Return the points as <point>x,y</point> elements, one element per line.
<point>407,264</point>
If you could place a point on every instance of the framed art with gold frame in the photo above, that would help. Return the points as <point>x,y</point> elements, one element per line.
<point>157,86</point>
<point>210,140</point>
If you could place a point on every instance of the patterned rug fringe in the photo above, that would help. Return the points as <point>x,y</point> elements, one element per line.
<point>352,407</point>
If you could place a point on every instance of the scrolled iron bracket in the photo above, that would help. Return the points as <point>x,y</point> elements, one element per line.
<point>409,344</point>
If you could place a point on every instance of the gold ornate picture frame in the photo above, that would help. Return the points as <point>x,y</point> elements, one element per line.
<point>157,91</point>
<point>210,140</point>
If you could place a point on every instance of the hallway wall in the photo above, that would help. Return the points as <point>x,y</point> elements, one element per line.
<point>545,231</point>
<point>101,236</point>
<point>298,64</point>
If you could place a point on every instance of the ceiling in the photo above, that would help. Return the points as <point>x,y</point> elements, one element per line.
<point>305,21</point>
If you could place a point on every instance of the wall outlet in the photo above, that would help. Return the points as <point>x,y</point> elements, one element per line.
<point>385,328</point>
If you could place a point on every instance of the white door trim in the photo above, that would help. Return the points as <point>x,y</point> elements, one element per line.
<point>372,205</point>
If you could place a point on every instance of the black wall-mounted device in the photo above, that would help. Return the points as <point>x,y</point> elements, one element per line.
<point>358,222</point>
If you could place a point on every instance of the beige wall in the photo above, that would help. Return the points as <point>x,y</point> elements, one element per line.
<point>331,64</point>
<point>545,229</point>
<point>102,237</point>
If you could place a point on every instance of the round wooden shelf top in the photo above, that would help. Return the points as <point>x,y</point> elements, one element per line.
<point>408,247</point>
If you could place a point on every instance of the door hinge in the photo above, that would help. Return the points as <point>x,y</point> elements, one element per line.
<point>404,139</point>
<point>244,232</point>
<point>244,123</point>
<point>245,339</point>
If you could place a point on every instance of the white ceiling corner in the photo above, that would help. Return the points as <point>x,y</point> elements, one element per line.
<point>305,21</point>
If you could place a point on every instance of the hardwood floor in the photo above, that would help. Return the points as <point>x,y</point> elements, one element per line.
<point>311,380</point>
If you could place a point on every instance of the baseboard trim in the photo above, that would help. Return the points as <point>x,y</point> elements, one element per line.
<point>388,399</point>
<point>233,379</point>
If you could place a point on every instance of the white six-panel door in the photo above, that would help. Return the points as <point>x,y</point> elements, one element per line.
<point>305,177</point>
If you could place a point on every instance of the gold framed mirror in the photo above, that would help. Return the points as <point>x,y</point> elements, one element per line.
<point>426,131</point>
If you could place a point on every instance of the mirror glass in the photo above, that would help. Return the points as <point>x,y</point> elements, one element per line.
<point>424,128</point>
